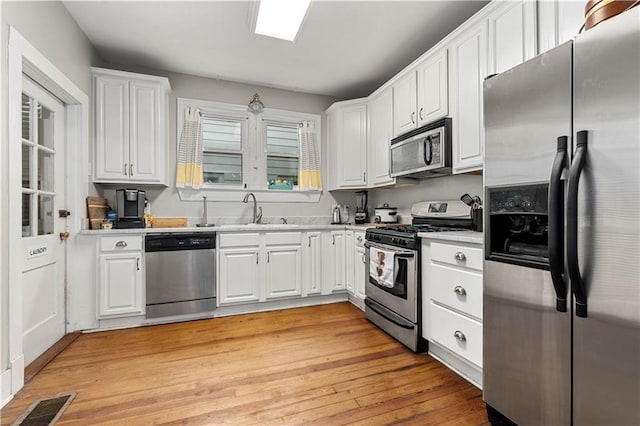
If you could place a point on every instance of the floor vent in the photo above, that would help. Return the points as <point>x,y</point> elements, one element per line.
<point>45,412</point>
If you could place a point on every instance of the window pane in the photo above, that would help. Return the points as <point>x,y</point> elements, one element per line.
<point>222,168</point>
<point>26,166</point>
<point>45,127</point>
<point>45,171</point>
<point>283,168</point>
<point>282,139</point>
<point>26,215</point>
<point>221,134</point>
<point>26,117</point>
<point>45,214</point>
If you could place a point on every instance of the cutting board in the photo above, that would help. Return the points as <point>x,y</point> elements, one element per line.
<point>169,222</point>
<point>97,208</point>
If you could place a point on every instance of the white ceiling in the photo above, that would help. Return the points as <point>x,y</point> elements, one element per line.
<point>344,49</point>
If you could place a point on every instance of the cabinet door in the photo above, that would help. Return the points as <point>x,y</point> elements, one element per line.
<point>120,291</point>
<point>239,280</point>
<point>284,276</point>
<point>404,104</point>
<point>433,89</point>
<point>145,132</point>
<point>333,262</point>
<point>312,268</point>
<point>468,69</point>
<point>111,129</point>
<point>512,35</point>
<point>558,21</point>
<point>353,146</point>
<point>359,277</point>
<point>348,267</point>
<point>380,130</point>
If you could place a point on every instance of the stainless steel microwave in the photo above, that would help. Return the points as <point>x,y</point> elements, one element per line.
<point>423,152</point>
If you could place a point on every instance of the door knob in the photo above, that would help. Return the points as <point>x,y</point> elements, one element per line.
<point>64,235</point>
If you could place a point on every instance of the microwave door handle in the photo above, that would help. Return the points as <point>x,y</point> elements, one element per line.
<point>427,160</point>
<point>556,227</point>
<point>577,282</point>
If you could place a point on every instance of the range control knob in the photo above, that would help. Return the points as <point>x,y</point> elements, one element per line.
<point>403,242</point>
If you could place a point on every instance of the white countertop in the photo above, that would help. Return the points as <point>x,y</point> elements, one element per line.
<point>227,228</point>
<point>459,236</point>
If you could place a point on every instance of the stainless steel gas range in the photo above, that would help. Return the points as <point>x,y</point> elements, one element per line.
<point>393,268</point>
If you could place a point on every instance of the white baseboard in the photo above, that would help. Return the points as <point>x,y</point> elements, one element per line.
<point>5,388</point>
<point>464,368</point>
<point>17,374</point>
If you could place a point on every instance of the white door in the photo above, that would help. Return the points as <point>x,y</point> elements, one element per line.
<point>284,276</point>
<point>43,196</point>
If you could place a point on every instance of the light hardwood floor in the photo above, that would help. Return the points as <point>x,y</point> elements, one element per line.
<point>324,365</point>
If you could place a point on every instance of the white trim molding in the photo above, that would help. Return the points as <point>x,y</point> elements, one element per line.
<point>23,58</point>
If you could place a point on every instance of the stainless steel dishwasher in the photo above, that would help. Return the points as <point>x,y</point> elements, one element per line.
<point>180,271</point>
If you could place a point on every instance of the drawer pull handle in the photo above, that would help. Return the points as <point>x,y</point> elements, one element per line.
<point>460,336</point>
<point>460,256</point>
<point>121,244</point>
<point>460,290</point>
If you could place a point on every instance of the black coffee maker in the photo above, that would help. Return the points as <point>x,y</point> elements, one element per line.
<point>362,212</point>
<point>130,207</point>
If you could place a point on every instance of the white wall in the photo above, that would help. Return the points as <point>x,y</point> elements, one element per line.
<point>50,29</point>
<point>434,189</point>
<point>166,202</point>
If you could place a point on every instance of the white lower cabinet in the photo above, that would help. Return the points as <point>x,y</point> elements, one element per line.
<point>239,275</point>
<point>349,265</point>
<point>359,267</point>
<point>334,262</point>
<point>120,282</point>
<point>284,272</point>
<point>312,262</point>
<point>452,304</point>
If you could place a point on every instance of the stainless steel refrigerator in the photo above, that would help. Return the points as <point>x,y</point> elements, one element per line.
<point>562,233</point>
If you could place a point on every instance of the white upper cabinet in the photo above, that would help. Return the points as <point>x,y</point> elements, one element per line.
<point>421,96</point>
<point>468,69</point>
<point>558,21</point>
<point>512,34</point>
<point>131,127</point>
<point>347,123</point>
<point>380,133</point>
<point>433,93</point>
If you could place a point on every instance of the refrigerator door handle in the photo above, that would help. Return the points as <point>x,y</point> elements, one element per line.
<point>556,225</point>
<point>577,283</point>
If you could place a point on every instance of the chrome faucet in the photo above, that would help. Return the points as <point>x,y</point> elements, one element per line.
<point>257,211</point>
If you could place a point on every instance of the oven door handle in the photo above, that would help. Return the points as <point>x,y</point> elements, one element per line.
<point>397,321</point>
<point>396,251</point>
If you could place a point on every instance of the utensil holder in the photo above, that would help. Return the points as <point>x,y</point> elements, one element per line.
<point>476,220</point>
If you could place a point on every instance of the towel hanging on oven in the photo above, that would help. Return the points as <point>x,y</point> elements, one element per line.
<point>381,266</point>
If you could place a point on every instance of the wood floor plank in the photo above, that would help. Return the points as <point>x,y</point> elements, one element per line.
<point>324,365</point>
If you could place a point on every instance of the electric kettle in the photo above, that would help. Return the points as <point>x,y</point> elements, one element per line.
<point>336,218</point>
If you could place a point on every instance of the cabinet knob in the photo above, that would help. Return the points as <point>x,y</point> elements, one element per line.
<point>413,118</point>
<point>460,336</point>
<point>460,290</point>
<point>359,238</point>
<point>64,235</point>
<point>420,114</point>
<point>121,244</point>
<point>460,256</point>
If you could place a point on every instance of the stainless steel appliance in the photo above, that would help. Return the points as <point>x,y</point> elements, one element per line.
<point>385,214</point>
<point>423,152</point>
<point>362,210</point>
<point>562,226</point>
<point>180,271</point>
<point>394,305</point>
<point>130,207</point>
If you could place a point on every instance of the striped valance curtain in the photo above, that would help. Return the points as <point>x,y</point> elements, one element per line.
<point>309,175</point>
<point>189,168</point>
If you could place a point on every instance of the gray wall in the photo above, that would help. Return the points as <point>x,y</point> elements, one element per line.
<point>50,29</point>
<point>166,202</point>
<point>434,189</point>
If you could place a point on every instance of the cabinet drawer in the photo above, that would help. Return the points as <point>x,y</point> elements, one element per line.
<point>121,243</point>
<point>279,238</point>
<point>358,239</point>
<point>244,239</point>
<point>457,288</point>
<point>454,254</point>
<point>446,324</point>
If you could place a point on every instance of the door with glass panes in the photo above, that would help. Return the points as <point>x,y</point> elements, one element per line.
<point>43,219</point>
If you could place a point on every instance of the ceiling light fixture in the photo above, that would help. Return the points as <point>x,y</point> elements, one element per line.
<point>281,18</point>
<point>255,106</point>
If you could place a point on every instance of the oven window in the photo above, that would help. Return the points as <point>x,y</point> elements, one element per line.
<point>399,288</point>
